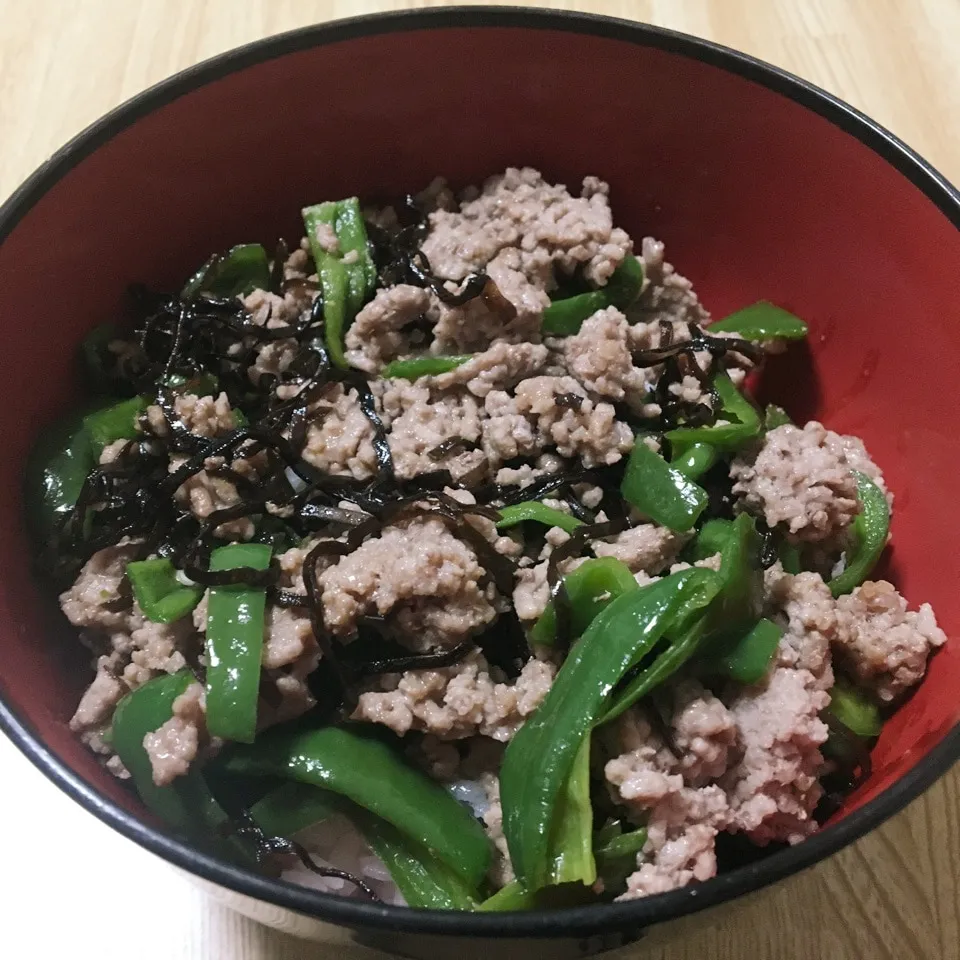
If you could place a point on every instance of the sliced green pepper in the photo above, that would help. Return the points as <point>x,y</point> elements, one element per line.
<point>422,367</point>
<point>659,491</point>
<point>871,528</point>
<point>731,597</point>
<point>774,416</point>
<point>161,596</point>
<point>515,897</point>
<point>56,470</point>
<point>115,422</point>
<point>743,425</point>
<point>695,460</point>
<point>617,857</point>
<point>745,657</point>
<point>789,554</point>
<point>762,321</point>
<point>369,773</point>
<point>710,540</point>
<point>422,879</point>
<point>571,833</point>
<point>241,270</point>
<point>293,807</point>
<point>590,588</point>
<point>351,231</point>
<point>565,317</point>
<point>335,283</point>
<point>548,742</point>
<point>186,804</point>
<point>855,709</point>
<point>539,513</point>
<point>345,284</point>
<point>235,626</point>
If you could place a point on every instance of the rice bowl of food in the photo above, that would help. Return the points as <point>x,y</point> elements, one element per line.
<point>508,550</point>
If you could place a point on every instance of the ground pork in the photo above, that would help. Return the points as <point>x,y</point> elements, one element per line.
<point>292,697</point>
<point>458,701</point>
<point>273,359</point>
<point>544,223</point>
<point>205,416</point>
<point>288,637</point>
<point>646,547</point>
<point>513,314</point>
<point>500,367</point>
<point>799,477</point>
<point>157,648</point>
<point>773,789</point>
<point>97,703</point>
<point>420,574</point>
<point>703,734</point>
<point>173,747</point>
<point>885,644</point>
<point>531,420</point>
<point>95,599</point>
<point>377,335</point>
<point>273,310</point>
<point>204,492</point>
<point>420,422</point>
<point>340,437</point>
<point>649,777</point>
<point>599,357</point>
<point>666,296</point>
<point>811,615</point>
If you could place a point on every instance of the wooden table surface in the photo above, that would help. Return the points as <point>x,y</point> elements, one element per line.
<point>71,886</point>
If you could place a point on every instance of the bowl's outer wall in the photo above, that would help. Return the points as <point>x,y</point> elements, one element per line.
<point>754,195</point>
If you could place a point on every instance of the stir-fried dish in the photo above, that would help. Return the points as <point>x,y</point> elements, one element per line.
<point>445,559</point>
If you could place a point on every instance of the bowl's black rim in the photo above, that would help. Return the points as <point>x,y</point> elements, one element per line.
<point>576,922</point>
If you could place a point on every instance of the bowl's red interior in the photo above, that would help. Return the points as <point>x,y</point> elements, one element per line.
<point>755,196</point>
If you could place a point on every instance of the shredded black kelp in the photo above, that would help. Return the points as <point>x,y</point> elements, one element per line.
<point>679,360</point>
<point>265,847</point>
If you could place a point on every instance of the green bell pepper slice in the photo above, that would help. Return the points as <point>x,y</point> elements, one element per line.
<point>422,879</point>
<point>774,416</point>
<point>571,834</point>
<point>115,422</point>
<point>417,367</point>
<point>661,492</point>
<point>235,628</point>
<point>366,771</point>
<point>695,460</point>
<point>732,596</point>
<point>871,528</point>
<point>345,283</point>
<point>617,857</point>
<point>549,740</point>
<point>855,709</point>
<point>746,656</point>
<point>56,470</point>
<point>590,588</point>
<point>565,317</point>
<point>161,596</point>
<point>186,804</point>
<point>743,427</point>
<point>537,512</point>
<point>241,270</point>
<point>761,321</point>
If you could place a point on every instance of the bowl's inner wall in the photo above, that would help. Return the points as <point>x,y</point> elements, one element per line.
<point>754,195</point>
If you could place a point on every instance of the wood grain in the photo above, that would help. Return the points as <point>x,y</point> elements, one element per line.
<point>892,896</point>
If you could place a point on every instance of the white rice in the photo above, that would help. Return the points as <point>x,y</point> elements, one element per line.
<point>336,843</point>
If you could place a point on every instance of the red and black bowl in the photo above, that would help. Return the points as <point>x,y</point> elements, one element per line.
<point>761,185</point>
